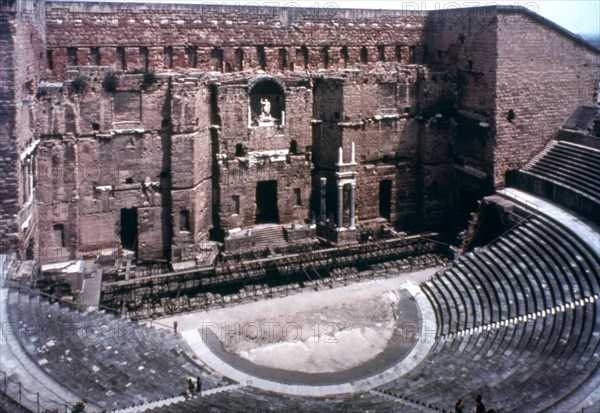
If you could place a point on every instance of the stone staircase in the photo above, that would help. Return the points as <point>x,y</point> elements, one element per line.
<point>570,165</point>
<point>258,241</point>
<point>268,236</point>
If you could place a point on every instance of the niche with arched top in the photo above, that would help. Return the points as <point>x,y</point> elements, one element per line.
<point>267,103</point>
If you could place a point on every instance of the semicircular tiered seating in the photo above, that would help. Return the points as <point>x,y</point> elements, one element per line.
<point>518,320</point>
<point>566,173</point>
<point>110,362</point>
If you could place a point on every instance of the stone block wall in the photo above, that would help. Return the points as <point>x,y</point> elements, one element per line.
<point>238,181</point>
<point>536,95</point>
<point>437,178</point>
<point>464,43</point>
<point>434,103</point>
<point>22,41</point>
<point>92,164</point>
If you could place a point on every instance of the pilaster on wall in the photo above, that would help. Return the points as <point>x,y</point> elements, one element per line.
<point>22,38</point>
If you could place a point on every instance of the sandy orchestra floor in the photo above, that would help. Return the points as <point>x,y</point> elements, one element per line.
<point>314,331</point>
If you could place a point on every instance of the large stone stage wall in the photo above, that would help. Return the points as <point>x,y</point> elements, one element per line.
<point>437,106</point>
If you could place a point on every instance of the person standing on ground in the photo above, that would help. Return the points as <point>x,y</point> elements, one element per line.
<point>459,406</point>
<point>198,386</point>
<point>479,407</point>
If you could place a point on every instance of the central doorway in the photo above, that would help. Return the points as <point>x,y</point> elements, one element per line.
<point>266,202</point>
<point>129,228</point>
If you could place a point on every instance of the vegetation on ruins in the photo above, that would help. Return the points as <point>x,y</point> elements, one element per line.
<point>110,82</point>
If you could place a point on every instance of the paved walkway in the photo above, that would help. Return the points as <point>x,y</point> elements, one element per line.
<point>301,387</point>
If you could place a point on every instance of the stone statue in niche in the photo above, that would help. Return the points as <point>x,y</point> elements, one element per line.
<point>265,105</point>
<point>265,118</point>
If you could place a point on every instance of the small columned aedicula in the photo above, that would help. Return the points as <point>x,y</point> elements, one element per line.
<point>346,175</point>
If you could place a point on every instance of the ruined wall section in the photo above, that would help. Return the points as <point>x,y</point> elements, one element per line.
<point>161,37</point>
<point>328,111</point>
<point>251,149</point>
<point>299,111</point>
<point>240,177</point>
<point>377,113</point>
<point>94,163</point>
<point>402,169</point>
<point>463,43</point>
<point>437,174</point>
<point>191,166</point>
<point>536,95</point>
<point>56,190</point>
<point>22,41</point>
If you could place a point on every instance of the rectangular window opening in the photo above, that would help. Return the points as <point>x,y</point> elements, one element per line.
<point>298,196</point>
<point>236,204</point>
<point>95,56</point>
<point>345,55</point>
<point>413,54</point>
<point>364,55</point>
<point>325,57</point>
<point>192,59</point>
<point>217,56</point>
<point>58,235</point>
<point>144,58</point>
<point>262,57</point>
<point>283,59</point>
<point>121,58</point>
<point>49,59</point>
<point>168,57</point>
<point>184,220</point>
<point>381,53</point>
<point>304,54</point>
<point>72,56</point>
<point>239,58</point>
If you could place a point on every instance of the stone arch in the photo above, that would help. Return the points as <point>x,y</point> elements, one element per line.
<point>271,89</point>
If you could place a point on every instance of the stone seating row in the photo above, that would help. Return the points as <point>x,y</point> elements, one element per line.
<point>518,321</point>
<point>110,362</point>
<point>570,165</point>
<point>251,400</point>
<point>524,367</point>
<point>537,267</point>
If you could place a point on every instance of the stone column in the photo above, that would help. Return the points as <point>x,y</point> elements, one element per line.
<point>323,199</point>
<point>352,211</point>
<point>340,200</point>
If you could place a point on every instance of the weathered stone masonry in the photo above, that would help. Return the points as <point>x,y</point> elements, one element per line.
<point>181,148</point>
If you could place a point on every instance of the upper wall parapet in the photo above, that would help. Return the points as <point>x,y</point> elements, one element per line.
<point>128,24</point>
<point>163,37</point>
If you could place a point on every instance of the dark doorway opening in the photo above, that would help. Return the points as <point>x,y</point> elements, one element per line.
<point>129,228</point>
<point>385,199</point>
<point>266,202</point>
